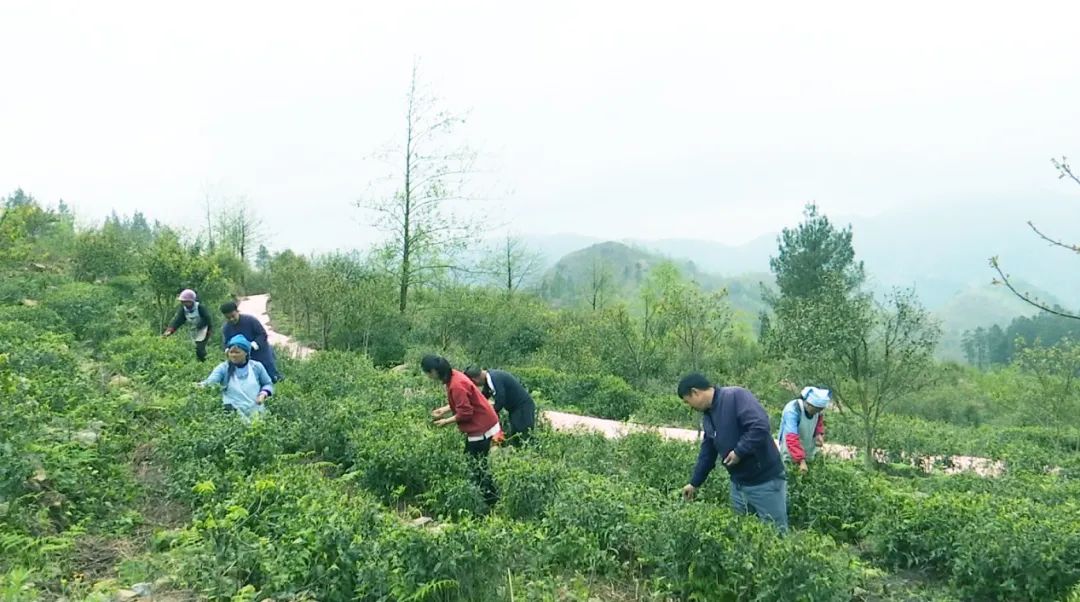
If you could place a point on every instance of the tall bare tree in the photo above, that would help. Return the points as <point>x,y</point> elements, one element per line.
<point>239,228</point>
<point>424,235</point>
<point>512,263</point>
<point>209,220</point>
<point>1064,171</point>
<point>601,284</point>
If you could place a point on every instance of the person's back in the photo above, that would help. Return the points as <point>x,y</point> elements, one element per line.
<point>509,392</point>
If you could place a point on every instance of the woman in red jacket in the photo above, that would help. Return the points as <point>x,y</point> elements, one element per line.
<point>474,417</point>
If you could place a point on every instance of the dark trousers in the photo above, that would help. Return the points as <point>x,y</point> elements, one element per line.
<point>200,350</point>
<point>265,356</point>
<point>478,457</point>
<point>522,421</point>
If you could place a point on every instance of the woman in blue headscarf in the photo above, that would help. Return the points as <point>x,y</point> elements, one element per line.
<point>802,427</point>
<point>245,382</point>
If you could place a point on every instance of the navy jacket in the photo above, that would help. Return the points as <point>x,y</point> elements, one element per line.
<point>253,330</point>
<point>737,421</point>
<point>509,392</point>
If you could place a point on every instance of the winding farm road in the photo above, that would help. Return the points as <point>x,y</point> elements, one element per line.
<point>256,305</point>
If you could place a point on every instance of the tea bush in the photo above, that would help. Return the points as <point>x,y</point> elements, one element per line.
<point>285,530</point>
<point>35,317</point>
<point>665,410</point>
<point>1018,550</point>
<point>90,312</point>
<point>604,396</point>
<point>314,500</point>
<point>837,499</point>
<point>984,544</point>
<point>701,552</point>
<point>527,484</point>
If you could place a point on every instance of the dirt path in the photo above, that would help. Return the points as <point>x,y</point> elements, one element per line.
<point>256,305</point>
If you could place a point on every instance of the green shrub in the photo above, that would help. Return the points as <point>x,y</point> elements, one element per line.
<point>400,460</point>
<point>986,545</point>
<point>287,531</point>
<point>167,364</point>
<point>88,310</point>
<point>919,531</point>
<point>605,514</point>
<point>837,499</point>
<point>36,317</point>
<point>702,552</point>
<point>651,460</point>
<point>527,484</point>
<point>665,410</point>
<point>603,396</point>
<point>1018,550</point>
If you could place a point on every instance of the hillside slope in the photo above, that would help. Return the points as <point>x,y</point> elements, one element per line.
<point>625,269</point>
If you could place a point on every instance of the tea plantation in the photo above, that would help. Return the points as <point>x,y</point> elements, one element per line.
<point>120,479</point>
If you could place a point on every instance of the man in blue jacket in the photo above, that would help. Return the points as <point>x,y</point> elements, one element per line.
<point>249,326</point>
<point>737,430</point>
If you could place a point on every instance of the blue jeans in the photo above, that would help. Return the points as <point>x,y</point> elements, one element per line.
<point>768,500</point>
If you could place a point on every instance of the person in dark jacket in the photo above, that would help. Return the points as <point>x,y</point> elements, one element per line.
<point>474,417</point>
<point>194,313</point>
<point>736,429</point>
<point>253,330</point>
<point>509,394</point>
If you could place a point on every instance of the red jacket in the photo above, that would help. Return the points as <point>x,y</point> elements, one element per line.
<point>475,416</point>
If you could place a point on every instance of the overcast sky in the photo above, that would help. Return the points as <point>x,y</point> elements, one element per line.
<point>614,119</point>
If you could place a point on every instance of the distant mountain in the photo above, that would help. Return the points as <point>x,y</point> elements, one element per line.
<point>553,247</point>
<point>945,251</point>
<point>568,283</point>
<point>983,305</point>
<point>941,251</point>
<point>716,257</point>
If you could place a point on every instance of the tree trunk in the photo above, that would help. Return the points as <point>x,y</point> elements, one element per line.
<point>161,312</point>
<point>403,293</point>
<point>868,452</point>
<point>509,270</point>
<point>406,239</point>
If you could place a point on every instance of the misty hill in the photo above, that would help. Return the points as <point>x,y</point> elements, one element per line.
<point>984,305</point>
<point>569,281</point>
<point>943,251</point>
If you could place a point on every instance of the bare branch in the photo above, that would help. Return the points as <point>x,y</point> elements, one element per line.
<point>1064,170</point>
<point>1026,297</point>
<point>440,175</point>
<point>1057,243</point>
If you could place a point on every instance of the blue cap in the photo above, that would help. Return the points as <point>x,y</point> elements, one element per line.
<point>241,342</point>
